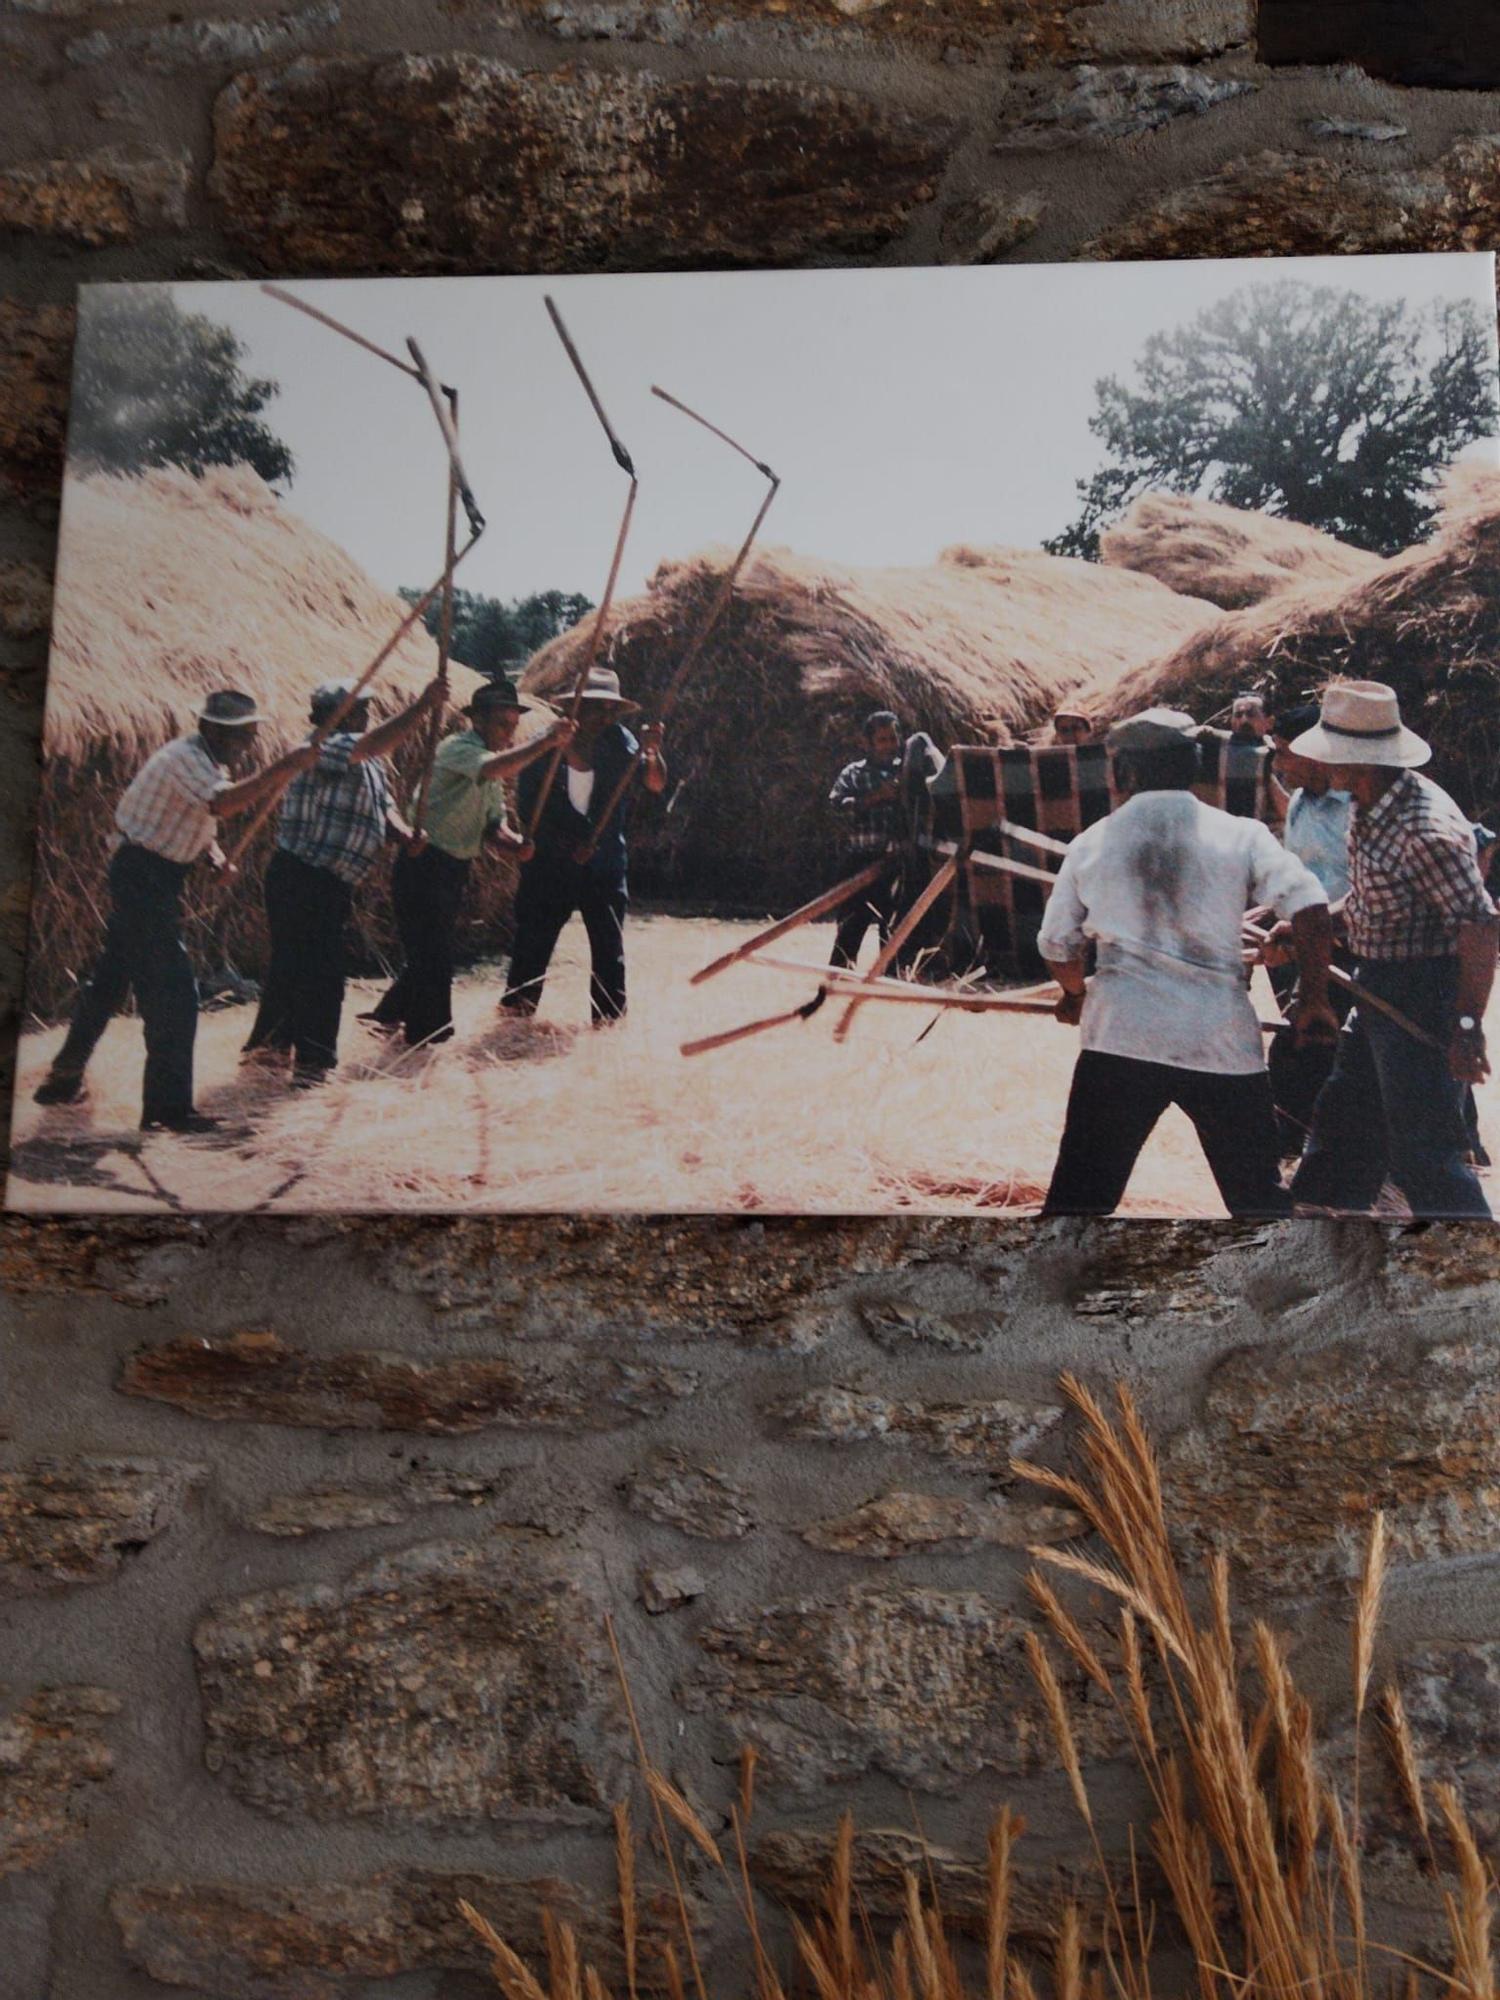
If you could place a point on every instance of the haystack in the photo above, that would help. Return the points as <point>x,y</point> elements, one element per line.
<point>168,586</point>
<point>1427,621</point>
<point>1231,556</point>
<point>979,646</point>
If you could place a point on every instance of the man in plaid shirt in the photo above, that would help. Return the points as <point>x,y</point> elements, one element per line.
<point>334,823</point>
<point>1422,929</point>
<point>167,818</point>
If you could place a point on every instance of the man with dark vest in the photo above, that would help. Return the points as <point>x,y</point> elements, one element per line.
<point>168,817</point>
<point>334,823</point>
<point>577,867</point>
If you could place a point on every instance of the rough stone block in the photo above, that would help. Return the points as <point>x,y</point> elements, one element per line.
<point>99,199</point>
<point>75,1520</point>
<point>322,1940</point>
<point>36,347</point>
<point>449,1685</point>
<point>929,1687</point>
<point>1295,1450</point>
<point>698,1499</point>
<point>986,1434</point>
<point>458,163</point>
<point>53,1749</point>
<point>1098,105</point>
<point>1274,204</point>
<point>900,1524</point>
<point>256,1378</point>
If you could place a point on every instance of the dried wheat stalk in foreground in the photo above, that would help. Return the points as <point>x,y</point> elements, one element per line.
<point>1260,1853</point>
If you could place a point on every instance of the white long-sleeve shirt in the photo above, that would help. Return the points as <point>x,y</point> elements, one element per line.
<point>1161,887</point>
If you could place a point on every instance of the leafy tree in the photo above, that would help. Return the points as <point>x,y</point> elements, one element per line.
<point>1321,405</point>
<point>154,385</point>
<point>494,637</point>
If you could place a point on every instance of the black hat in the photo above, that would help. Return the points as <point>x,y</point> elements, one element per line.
<point>499,692</point>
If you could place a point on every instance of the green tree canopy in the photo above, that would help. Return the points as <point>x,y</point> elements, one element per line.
<point>154,385</point>
<point>1321,405</point>
<point>494,637</point>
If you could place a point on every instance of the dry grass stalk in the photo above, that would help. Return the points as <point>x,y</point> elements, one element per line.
<point>625,1872</point>
<point>1260,1854</point>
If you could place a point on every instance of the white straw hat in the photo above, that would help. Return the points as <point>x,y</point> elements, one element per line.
<point>1360,723</point>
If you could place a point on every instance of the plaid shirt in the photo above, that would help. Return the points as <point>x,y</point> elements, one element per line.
<point>863,828</point>
<point>333,816</point>
<point>166,806</point>
<point>1413,877</point>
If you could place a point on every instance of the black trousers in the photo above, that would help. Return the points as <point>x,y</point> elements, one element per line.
<point>302,999</point>
<point>1113,1108</point>
<point>551,891</point>
<point>143,954</point>
<point>874,905</point>
<point>1391,1109</point>
<point>427,890</point>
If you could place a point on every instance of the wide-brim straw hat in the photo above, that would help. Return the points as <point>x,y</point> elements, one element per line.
<point>230,709</point>
<point>1360,723</point>
<point>603,685</point>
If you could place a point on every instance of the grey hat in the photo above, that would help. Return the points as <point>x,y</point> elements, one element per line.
<point>603,685</point>
<point>1152,729</point>
<point>230,709</point>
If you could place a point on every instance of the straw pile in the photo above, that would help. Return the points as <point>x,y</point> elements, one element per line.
<point>1427,622</point>
<point>1229,555</point>
<point>979,646</point>
<point>169,586</point>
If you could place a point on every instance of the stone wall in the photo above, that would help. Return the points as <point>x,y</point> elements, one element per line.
<point>307,1530</point>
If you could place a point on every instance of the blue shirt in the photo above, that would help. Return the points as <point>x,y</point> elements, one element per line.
<point>1317,832</point>
<point>334,815</point>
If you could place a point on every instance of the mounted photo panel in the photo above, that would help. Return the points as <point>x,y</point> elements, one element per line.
<point>855,742</point>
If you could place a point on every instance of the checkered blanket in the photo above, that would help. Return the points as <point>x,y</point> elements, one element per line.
<point>1057,791</point>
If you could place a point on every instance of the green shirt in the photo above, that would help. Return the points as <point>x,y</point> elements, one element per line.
<point>460,808</point>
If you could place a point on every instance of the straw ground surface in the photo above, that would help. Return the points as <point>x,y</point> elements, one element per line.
<point>980,646</point>
<point>557,1117</point>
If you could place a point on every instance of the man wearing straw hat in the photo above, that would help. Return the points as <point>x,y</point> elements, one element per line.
<point>1160,888</point>
<point>1422,930</point>
<point>334,822</point>
<point>465,815</point>
<point>167,818</point>
<point>574,868</point>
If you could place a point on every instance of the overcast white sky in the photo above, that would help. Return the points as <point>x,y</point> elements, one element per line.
<point>904,409</point>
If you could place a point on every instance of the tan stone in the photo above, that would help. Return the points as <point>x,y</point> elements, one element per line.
<point>698,1499</point>
<point>36,346</point>
<point>75,1520</point>
<point>25,599</point>
<point>99,199</point>
<point>256,1377</point>
<point>929,1687</point>
<point>1286,204</point>
<point>52,1751</point>
<point>447,1685</point>
<point>899,1523</point>
<point>1295,1450</point>
<point>458,163</point>
<point>304,1940</point>
<point>985,1434</point>
<point>987,227</point>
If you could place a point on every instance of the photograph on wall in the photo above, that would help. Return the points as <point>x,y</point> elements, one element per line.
<point>865,742</point>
